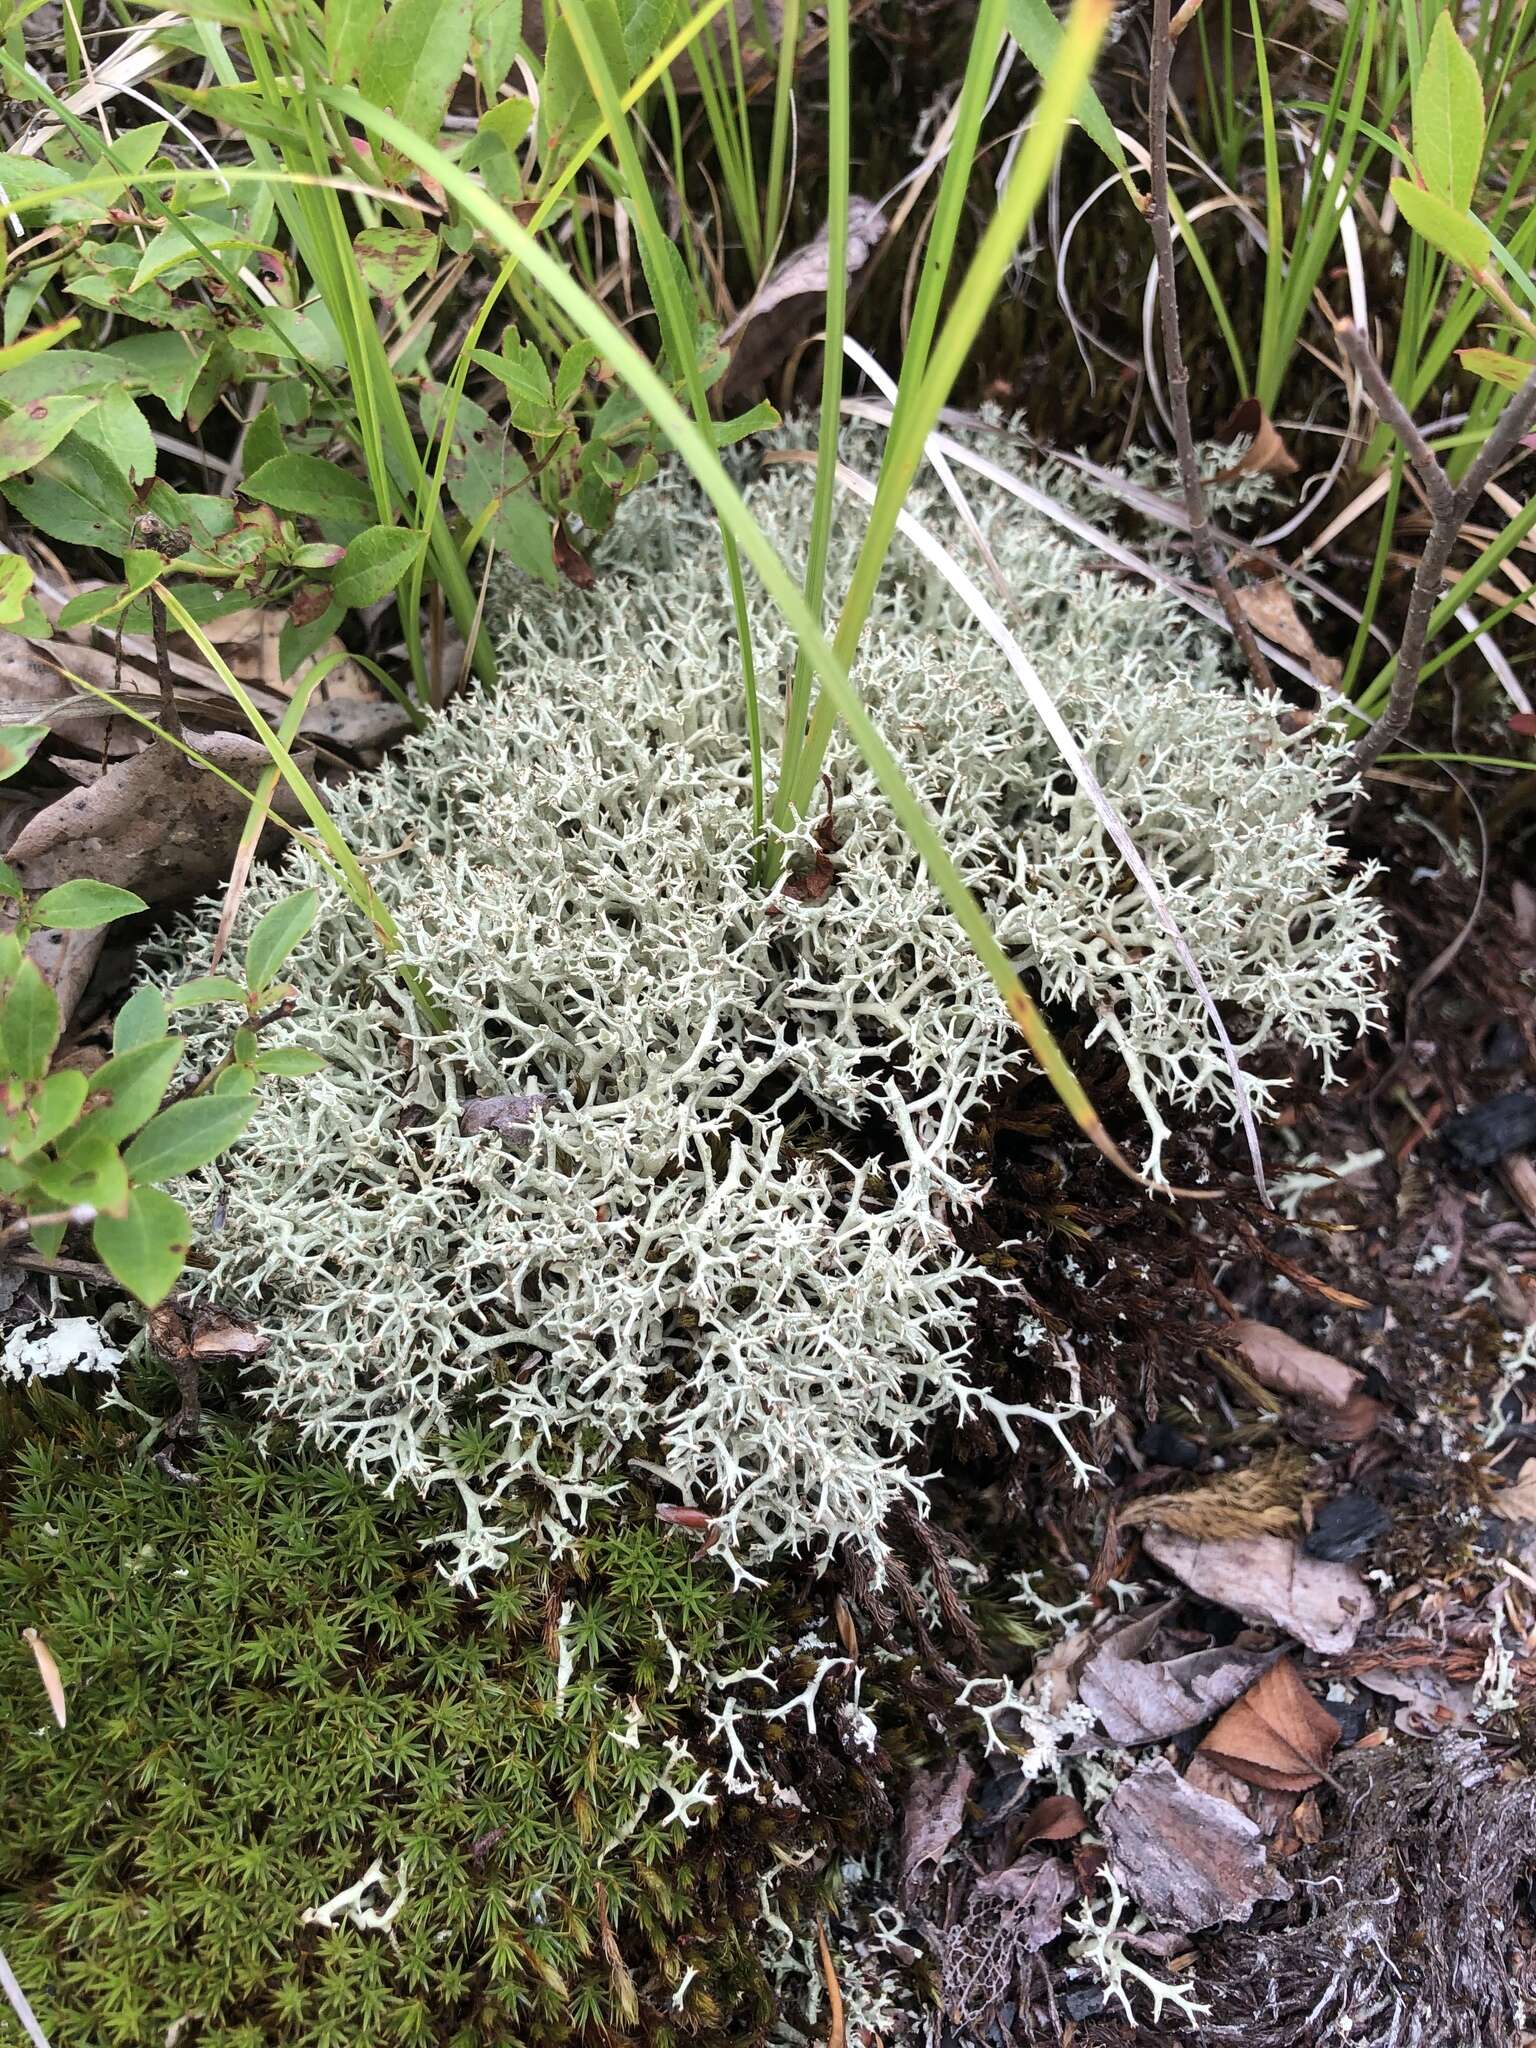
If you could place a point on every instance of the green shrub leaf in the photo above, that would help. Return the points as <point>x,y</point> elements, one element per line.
<point>186,1136</point>
<point>90,1173</point>
<point>1494,367</point>
<point>29,1024</point>
<point>277,932</point>
<point>293,1060</point>
<point>1454,233</point>
<point>81,905</point>
<point>35,429</point>
<point>51,1110</point>
<point>134,1082</point>
<point>1448,117</point>
<point>142,1018</point>
<point>375,563</point>
<point>18,743</point>
<point>303,483</point>
<point>208,988</point>
<point>1039,35</point>
<point>146,1248</point>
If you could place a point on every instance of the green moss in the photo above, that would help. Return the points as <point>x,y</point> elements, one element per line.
<point>271,1685</point>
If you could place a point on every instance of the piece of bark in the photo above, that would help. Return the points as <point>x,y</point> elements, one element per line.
<point>1188,1860</point>
<point>1269,1578</point>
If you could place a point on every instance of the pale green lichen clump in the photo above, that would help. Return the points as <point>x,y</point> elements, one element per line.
<point>669,1259</point>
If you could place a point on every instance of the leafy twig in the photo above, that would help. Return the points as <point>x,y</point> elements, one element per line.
<point>1159,220</point>
<point>1450,506</point>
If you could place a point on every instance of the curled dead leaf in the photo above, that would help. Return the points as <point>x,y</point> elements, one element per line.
<point>1271,610</point>
<point>1139,1701</point>
<point>787,305</point>
<point>1517,1503</point>
<point>221,1338</point>
<point>935,1813</point>
<point>1037,1890</point>
<point>1059,1819</point>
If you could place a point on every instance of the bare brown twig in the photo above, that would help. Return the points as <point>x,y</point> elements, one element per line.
<point>1449,508</point>
<point>1160,221</point>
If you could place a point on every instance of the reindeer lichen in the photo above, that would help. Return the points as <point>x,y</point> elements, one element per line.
<point>677,1179</point>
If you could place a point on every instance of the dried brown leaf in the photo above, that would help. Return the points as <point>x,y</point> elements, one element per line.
<point>1517,1503</point>
<point>1277,1735</point>
<point>1188,1860</point>
<point>1266,453</point>
<point>788,304</point>
<point>1280,1363</point>
<point>221,1338</point>
<point>1038,1890</point>
<point>1269,1578</point>
<point>1058,1819</point>
<point>1136,1701</point>
<point>1431,1704</point>
<point>1271,610</point>
<point>157,823</point>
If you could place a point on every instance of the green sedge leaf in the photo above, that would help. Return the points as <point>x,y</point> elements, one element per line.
<point>30,345</point>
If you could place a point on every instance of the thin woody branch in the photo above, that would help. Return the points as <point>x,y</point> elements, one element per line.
<point>1159,219</point>
<point>1450,507</point>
